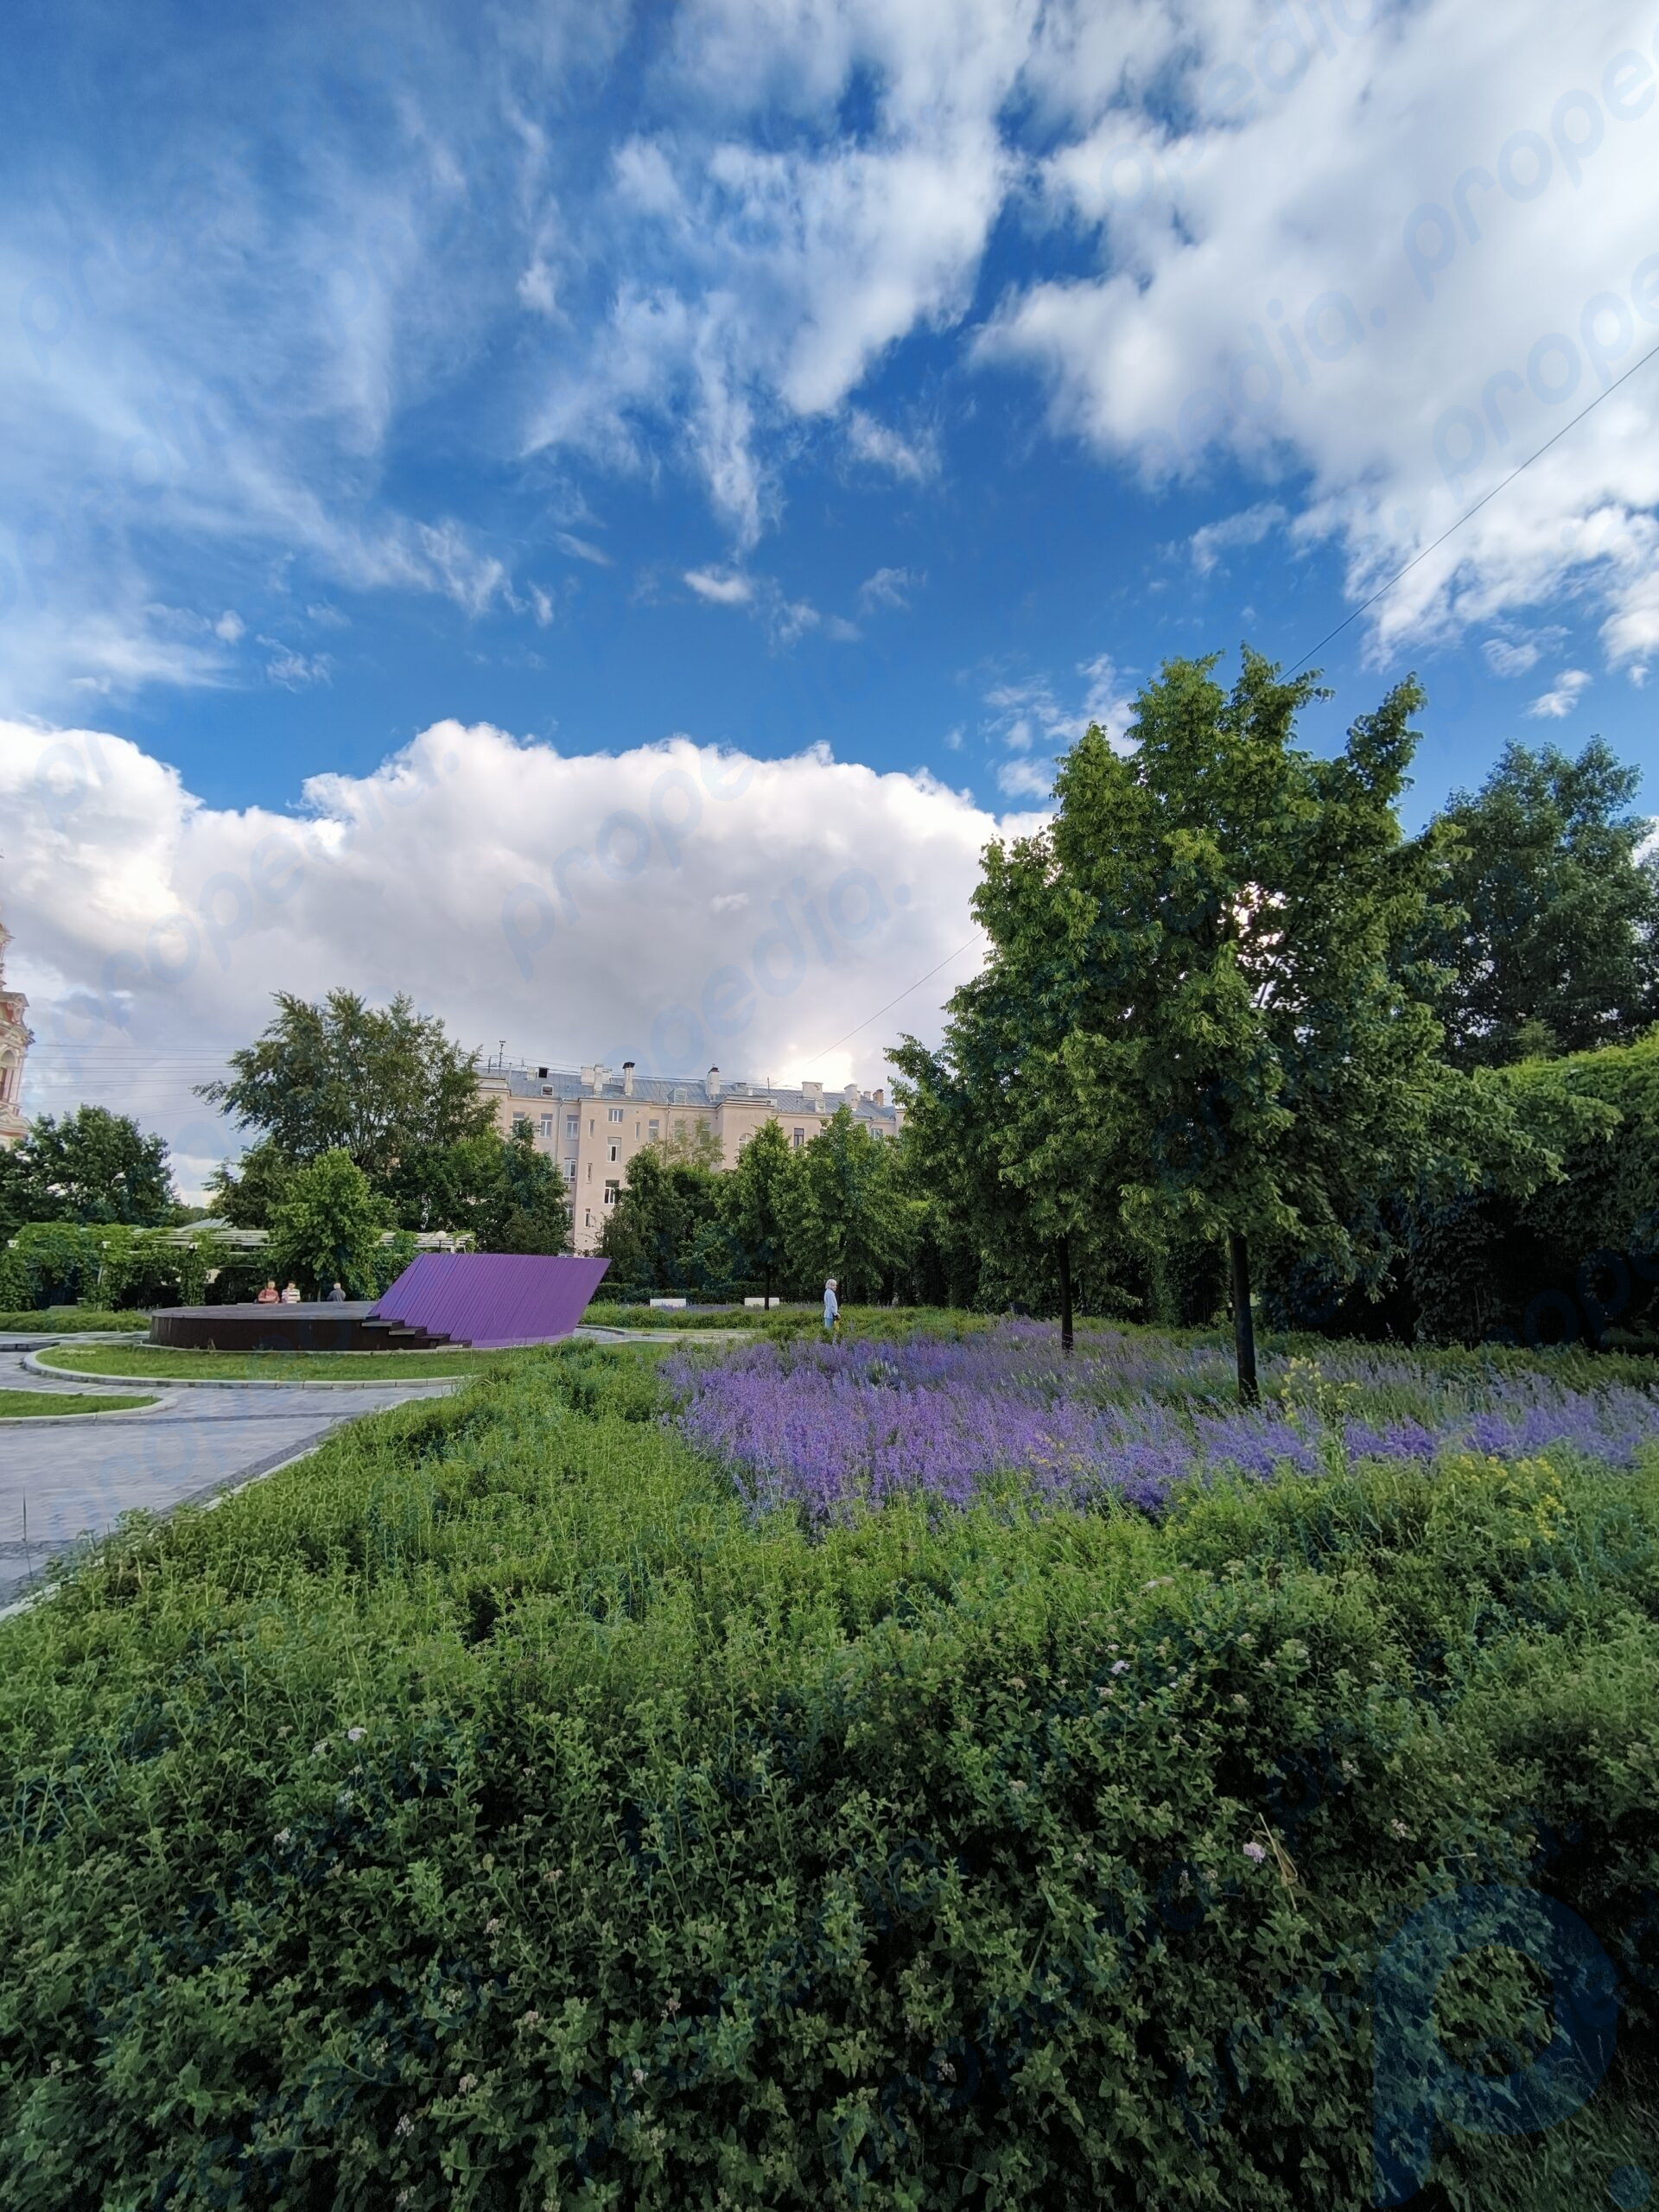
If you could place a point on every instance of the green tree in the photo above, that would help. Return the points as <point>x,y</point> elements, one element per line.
<point>1543,914</point>
<point>326,1227</point>
<point>755,1202</point>
<point>659,1235</point>
<point>92,1165</point>
<point>525,1210</point>
<point>844,1213</point>
<point>246,1195</point>
<point>1227,1032</point>
<point>375,1082</point>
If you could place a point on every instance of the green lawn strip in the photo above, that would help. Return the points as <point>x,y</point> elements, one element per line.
<point>16,1404</point>
<point>489,1797</point>
<point>63,1320</point>
<point>162,1363</point>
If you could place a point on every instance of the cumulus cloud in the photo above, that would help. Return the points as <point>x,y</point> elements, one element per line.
<point>914,459</point>
<point>1563,695</point>
<point>724,590</point>
<point>1507,657</point>
<point>672,904</point>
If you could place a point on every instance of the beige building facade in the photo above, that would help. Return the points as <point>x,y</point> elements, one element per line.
<point>592,1120</point>
<point>15,1042</point>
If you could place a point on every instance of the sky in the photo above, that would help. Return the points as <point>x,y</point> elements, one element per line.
<point>595,515</point>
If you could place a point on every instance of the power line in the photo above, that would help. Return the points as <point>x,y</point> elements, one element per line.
<point>1383,589</point>
<point>891,1003</point>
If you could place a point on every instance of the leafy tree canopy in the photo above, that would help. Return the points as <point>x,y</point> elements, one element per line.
<point>92,1165</point>
<point>375,1082</point>
<point>1542,913</point>
<point>1202,1013</point>
<point>844,1213</point>
<point>755,1203</point>
<point>326,1228</point>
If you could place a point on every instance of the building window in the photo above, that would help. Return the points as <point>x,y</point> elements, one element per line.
<point>679,1128</point>
<point>590,1171</point>
<point>613,1156</point>
<point>613,1192</point>
<point>587,1217</point>
<point>800,1139</point>
<point>653,1132</point>
<point>572,1125</point>
<point>590,1125</point>
<point>570,1170</point>
<point>616,1113</point>
<point>547,1126</point>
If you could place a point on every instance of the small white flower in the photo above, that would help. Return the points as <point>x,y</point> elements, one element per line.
<point>467,2082</point>
<point>1120,1665</point>
<point>491,1927</point>
<point>355,1735</point>
<point>284,1835</point>
<point>405,2125</point>
<point>320,1747</point>
<point>1255,1853</point>
<point>638,2075</point>
<point>1398,1828</point>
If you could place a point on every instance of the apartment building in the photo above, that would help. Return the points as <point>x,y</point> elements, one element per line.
<point>592,1120</point>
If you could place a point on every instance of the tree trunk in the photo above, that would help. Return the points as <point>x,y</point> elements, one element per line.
<point>1065,1296</point>
<point>765,1278</point>
<point>1243,1327</point>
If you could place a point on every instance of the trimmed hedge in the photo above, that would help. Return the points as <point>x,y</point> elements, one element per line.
<point>483,1814</point>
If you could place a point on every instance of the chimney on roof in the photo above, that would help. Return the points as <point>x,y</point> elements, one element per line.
<point>712,1083</point>
<point>812,1092</point>
<point>850,1094</point>
<point>627,1078</point>
<point>878,1098</point>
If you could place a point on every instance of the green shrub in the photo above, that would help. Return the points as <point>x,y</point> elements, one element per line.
<point>484,1814</point>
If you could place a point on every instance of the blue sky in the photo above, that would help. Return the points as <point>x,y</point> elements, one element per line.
<point>902,378</point>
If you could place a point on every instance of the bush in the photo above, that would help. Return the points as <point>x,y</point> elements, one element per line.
<point>484,1813</point>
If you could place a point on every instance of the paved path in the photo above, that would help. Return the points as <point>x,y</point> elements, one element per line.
<point>76,1476</point>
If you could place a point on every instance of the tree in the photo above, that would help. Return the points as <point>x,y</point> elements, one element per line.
<point>844,1214</point>
<point>525,1209</point>
<point>246,1195</point>
<point>1226,1035</point>
<point>1542,913</point>
<point>657,1236</point>
<point>755,1201</point>
<point>326,1227</point>
<point>374,1083</point>
<point>93,1165</point>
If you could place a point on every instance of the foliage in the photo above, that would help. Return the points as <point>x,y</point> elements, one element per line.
<point>1575,1254</point>
<point>1543,916</point>
<point>107,1262</point>
<point>755,1205</point>
<point>376,1082</point>
<point>1201,1016</point>
<point>326,1228</point>
<point>664,1233</point>
<point>490,1814</point>
<point>843,1212</point>
<point>246,1195</point>
<point>92,1165</point>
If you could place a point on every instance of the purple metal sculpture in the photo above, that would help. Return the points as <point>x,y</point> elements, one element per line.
<point>493,1299</point>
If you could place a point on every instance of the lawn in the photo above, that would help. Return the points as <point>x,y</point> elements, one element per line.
<point>15,1404</point>
<point>161,1363</point>
<point>579,1792</point>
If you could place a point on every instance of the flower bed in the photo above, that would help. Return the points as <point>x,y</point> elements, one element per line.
<point>823,1426</point>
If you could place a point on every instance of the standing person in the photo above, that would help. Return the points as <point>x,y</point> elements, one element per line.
<point>337,1295</point>
<point>831,1310</point>
<point>290,1294</point>
<point>270,1295</point>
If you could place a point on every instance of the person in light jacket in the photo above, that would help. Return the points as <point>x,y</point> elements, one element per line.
<point>831,1309</point>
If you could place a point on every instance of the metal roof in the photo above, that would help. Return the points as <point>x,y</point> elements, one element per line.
<point>568,1084</point>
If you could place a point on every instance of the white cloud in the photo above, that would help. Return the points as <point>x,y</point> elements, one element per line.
<point>671,904</point>
<point>230,626</point>
<point>1249,528</point>
<point>914,459</point>
<point>1030,721</point>
<point>294,671</point>
<point>887,587</point>
<point>724,590</point>
<point>1401,263</point>
<point>580,549</point>
<point>1563,698</point>
<point>1507,658</point>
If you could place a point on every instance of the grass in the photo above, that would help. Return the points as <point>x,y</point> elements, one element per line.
<point>62,1320</point>
<point>486,1813</point>
<point>162,1363</point>
<point>15,1404</point>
